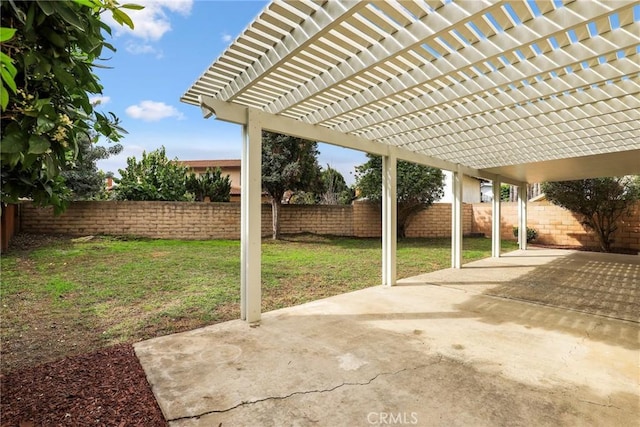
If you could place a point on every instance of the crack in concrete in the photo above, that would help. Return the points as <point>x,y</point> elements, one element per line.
<point>610,405</point>
<point>295,393</point>
<point>587,336</point>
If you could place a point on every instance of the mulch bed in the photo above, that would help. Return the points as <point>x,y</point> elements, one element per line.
<point>105,388</point>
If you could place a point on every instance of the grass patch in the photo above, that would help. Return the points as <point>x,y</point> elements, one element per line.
<point>65,297</point>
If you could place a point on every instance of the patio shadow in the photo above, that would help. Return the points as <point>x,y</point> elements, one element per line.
<point>586,284</point>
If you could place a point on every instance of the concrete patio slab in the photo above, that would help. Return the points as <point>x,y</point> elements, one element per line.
<point>489,344</point>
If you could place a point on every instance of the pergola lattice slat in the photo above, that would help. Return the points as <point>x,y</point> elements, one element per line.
<point>488,84</point>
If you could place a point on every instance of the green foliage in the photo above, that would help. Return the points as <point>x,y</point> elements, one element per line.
<point>154,177</point>
<point>82,177</point>
<point>288,163</point>
<point>49,50</point>
<point>418,187</point>
<point>332,190</point>
<point>7,70</point>
<point>600,202</point>
<point>336,191</point>
<point>532,233</point>
<point>304,198</point>
<point>505,192</point>
<point>211,184</point>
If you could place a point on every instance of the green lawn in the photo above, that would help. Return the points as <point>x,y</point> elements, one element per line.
<point>66,298</point>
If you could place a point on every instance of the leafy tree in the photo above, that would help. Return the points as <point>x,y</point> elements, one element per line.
<point>49,49</point>
<point>418,187</point>
<point>336,191</point>
<point>211,184</point>
<point>505,192</point>
<point>601,202</point>
<point>332,191</point>
<point>288,163</point>
<point>304,198</point>
<point>154,177</point>
<point>83,177</point>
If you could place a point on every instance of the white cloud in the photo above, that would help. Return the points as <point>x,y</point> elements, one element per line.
<point>151,111</point>
<point>152,22</point>
<point>99,100</point>
<point>143,49</point>
<point>226,37</point>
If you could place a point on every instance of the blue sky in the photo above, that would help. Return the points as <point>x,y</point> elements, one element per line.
<point>173,42</point>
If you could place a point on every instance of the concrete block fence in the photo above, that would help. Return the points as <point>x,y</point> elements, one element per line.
<point>201,221</point>
<point>556,226</point>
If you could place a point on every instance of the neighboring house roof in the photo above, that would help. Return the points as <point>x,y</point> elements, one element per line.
<point>211,163</point>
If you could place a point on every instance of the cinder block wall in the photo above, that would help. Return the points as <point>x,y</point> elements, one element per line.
<point>436,221</point>
<point>197,221</point>
<point>555,225</point>
<point>432,222</point>
<point>181,220</point>
<point>315,219</point>
<point>177,220</point>
<point>367,219</point>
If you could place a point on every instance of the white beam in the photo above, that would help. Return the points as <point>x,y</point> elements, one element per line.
<point>389,220</point>
<point>495,219</point>
<point>456,219</point>
<point>522,216</point>
<point>251,217</point>
<point>625,162</point>
<point>235,113</point>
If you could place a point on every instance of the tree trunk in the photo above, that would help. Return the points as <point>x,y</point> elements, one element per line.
<point>275,216</point>
<point>604,238</point>
<point>604,228</point>
<point>401,230</point>
<point>406,212</point>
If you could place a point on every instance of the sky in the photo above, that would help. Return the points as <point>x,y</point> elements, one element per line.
<point>172,44</point>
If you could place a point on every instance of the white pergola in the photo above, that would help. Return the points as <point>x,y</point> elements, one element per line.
<point>511,91</point>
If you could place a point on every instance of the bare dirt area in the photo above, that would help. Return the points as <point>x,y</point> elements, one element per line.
<point>29,241</point>
<point>107,388</point>
<point>36,342</point>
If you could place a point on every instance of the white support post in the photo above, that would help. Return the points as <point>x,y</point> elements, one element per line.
<point>495,219</point>
<point>522,216</point>
<point>243,222</point>
<point>456,219</point>
<point>389,220</point>
<point>251,219</point>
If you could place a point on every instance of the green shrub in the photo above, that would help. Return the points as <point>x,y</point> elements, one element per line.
<point>532,234</point>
